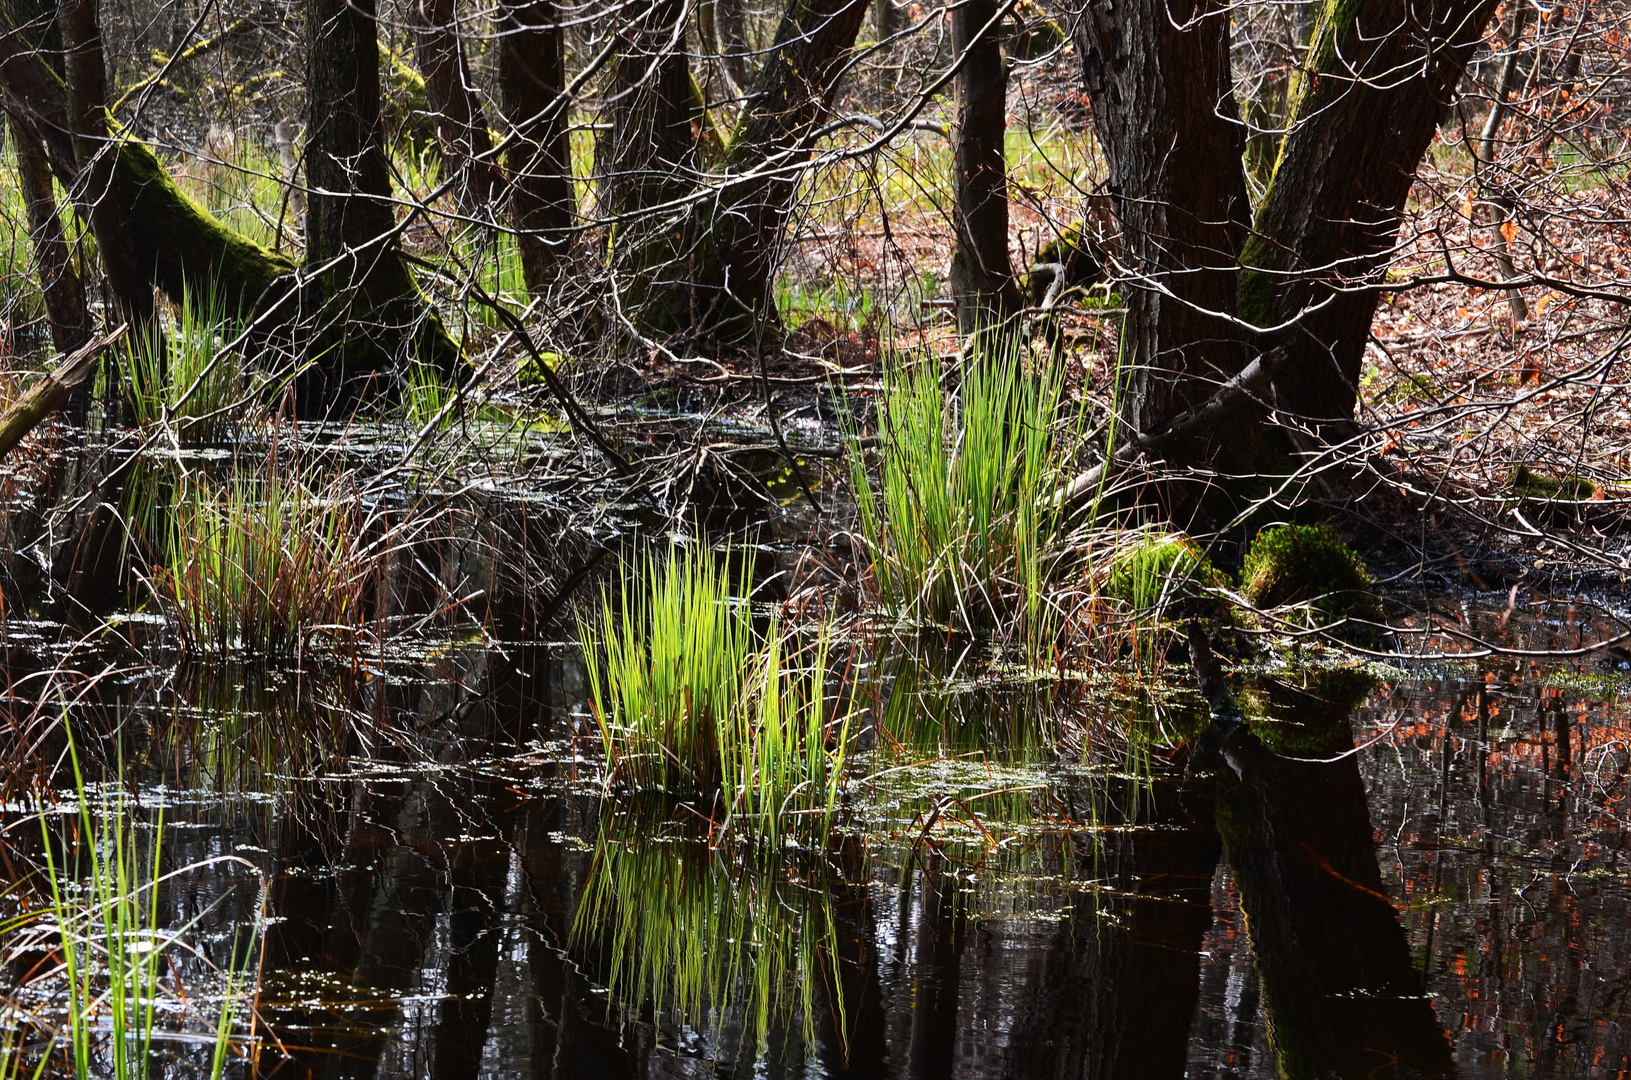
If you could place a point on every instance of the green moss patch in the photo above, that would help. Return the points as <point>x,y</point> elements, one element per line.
<point>1529,484</point>
<point>1166,566</point>
<point>1308,564</point>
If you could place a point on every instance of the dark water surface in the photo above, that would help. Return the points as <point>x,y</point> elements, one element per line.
<point>1449,897</point>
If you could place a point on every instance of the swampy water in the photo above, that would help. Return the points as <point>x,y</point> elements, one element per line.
<point>1444,893</point>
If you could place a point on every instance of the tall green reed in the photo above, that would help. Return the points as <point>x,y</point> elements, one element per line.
<point>267,563</point>
<point>957,514</point>
<point>113,952</point>
<point>179,373</point>
<point>695,702</point>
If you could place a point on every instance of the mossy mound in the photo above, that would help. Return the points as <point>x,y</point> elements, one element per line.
<point>1529,484</point>
<point>1308,564</point>
<point>1168,565</point>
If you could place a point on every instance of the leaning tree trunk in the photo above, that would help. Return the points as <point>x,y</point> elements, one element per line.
<point>96,155</point>
<point>982,278</point>
<point>461,124</point>
<point>372,314</point>
<point>734,234</point>
<point>1379,74</point>
<point>178,244</point>
<point>532,97</point>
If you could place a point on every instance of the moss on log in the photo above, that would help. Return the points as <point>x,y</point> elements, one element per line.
<point>186,245</point>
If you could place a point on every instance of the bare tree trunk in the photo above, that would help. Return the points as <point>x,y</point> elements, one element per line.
<point>1501,201</point>
<point>725,292</point>
<point>731,23</point>
<point>64,293</point>
<point>461,123</point>
<point>982,278</point>
<point>372,312</point>
<point>1158,79</point>
<point>96,155</point>
<point>1327,225</point>
<point>1378,76</point>
<point>648,157</point>
<point>532,88</point>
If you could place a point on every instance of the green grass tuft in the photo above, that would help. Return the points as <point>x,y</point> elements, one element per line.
<point>694,702</point>
<point>266,563</point>
<point>956,513</point>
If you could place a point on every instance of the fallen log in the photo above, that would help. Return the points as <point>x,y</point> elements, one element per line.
<point>46,396</point>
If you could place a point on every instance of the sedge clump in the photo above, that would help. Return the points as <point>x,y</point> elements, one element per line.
<point>694,702</point>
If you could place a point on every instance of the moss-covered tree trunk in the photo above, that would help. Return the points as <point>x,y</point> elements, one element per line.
<point>725,293</point>
<point>982,278</point>
<point>532,88</point>
<point>176,242</point>
<point>371,316</point>
<point>461,123</point>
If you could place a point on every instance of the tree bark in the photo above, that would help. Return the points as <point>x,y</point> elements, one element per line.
<point>1379,75</point>
<point>176,242</point>
<point>59,283</point>
<point>372,312</point>
<point>982,278</point>
<point>730,24</point>
<point>648,157</point>
<point>96,155</point>
<point>532,88</point>
<point>461,123</point>
<point>726,292</point>
<point>1157,75</point>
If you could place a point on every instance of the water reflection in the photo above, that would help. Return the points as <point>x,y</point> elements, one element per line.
<point>1448,895</point>
<point>1341,993</point>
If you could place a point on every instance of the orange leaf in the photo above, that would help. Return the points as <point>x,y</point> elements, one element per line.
<point>1509,231</point>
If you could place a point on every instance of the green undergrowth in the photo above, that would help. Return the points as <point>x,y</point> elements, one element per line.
<point>954,509</point>
<point>696,702</point>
